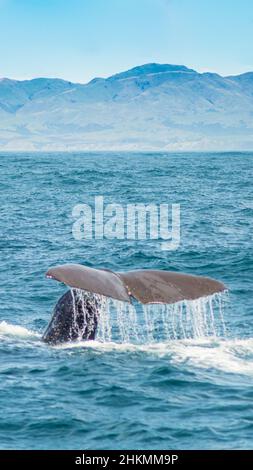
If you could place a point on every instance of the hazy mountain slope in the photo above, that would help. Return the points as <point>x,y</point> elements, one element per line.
<point>154,106</point>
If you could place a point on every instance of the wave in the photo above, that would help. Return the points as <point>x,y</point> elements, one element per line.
<point>227,355</point>
<point>8,329</point>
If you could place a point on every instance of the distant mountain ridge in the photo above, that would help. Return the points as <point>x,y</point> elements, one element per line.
<point>155,107</point>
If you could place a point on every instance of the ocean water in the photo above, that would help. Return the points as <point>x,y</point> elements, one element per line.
<point>178,392</point>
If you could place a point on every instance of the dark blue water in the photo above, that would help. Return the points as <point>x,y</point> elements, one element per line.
<point>182,394</point>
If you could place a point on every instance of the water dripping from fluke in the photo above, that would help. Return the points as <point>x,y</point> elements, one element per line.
<point>122,322</point>
<point>142,306</point>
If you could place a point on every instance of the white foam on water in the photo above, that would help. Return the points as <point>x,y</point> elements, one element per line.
<point>231,356</point>
<point>189,333</point>
<point>7,329</point>
<point>235,356</point>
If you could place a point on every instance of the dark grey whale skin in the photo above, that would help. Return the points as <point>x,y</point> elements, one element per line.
<point>66,326</point>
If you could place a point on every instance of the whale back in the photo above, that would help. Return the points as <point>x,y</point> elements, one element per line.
<point>75,317</point>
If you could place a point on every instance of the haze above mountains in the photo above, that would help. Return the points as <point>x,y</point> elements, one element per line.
<point>150,107</point>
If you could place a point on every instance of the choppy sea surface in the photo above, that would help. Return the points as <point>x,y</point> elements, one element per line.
<point>184,393</point>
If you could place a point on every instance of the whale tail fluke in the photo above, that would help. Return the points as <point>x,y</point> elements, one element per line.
<point>146,286</point>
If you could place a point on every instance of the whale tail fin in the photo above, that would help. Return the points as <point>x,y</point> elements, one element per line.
<point>98,281</point>
<point>146,286</point>
<point>167,287</point>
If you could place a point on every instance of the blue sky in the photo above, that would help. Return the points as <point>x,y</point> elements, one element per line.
<point>80,39</point>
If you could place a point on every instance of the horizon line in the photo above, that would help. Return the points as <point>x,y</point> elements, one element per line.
<point>122,71</point>
<point>124,151</point>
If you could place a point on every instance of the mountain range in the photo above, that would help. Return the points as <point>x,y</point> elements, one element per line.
<point>158,107</point>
